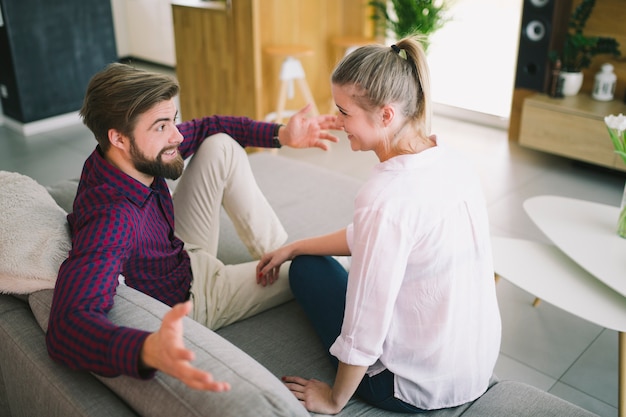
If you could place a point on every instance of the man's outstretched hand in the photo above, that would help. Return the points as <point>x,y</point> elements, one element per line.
<point>165,351</point>
<point>307,132</point>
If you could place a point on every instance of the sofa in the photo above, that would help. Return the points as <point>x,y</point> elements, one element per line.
<point>251,354</point>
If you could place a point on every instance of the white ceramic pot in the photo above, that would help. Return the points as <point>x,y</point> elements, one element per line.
<point>571,82</point>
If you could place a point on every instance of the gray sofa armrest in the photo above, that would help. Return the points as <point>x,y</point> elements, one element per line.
<point>35,385</point>
<point>516,399</point>
<point>255,391</point>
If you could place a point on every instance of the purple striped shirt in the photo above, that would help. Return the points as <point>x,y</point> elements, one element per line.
<point>120,226</point>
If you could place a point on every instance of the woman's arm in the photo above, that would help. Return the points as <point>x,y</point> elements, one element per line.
<point>319,397</point>
<point>334,243</point>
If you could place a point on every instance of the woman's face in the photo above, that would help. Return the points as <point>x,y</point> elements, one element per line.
<point>364,129</point>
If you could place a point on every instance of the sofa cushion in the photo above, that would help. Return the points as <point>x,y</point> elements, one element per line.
<point>63,192</point>
<point>308,199</point>
<point>283,340</point>
<point>34,235</point>
<point>37,386</point>
<point>255,391</point>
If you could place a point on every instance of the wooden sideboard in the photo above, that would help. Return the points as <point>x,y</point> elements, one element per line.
<point>606,19</point>
<point>220,63</point>
<point>572,127</point>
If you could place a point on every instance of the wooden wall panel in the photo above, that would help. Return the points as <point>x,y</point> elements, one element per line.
<point>305,23</point>
<point>217,59</point>
<point>220,60</point>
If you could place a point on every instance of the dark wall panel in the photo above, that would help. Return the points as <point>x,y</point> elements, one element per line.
<point>48,52</point>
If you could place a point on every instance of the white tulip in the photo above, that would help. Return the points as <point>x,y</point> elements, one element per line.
<point>617,131</point>
<point>616,122</point>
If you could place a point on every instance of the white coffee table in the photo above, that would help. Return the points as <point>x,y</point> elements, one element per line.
<point>580,273</point>
<point>586,232</point>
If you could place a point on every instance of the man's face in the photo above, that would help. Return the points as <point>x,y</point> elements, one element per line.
<point>155,140</point>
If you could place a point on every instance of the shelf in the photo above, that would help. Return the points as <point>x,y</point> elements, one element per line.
<point>572,127</point>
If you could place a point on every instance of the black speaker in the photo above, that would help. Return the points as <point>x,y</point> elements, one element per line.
<point>543,29</point>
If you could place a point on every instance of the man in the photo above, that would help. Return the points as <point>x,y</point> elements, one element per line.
<point>123,224</point>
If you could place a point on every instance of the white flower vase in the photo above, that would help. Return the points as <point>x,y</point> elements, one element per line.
<point>621,222</point>
<point>571,82</point>
<point>616,125</point>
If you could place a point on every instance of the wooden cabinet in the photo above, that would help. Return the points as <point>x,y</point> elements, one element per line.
<point>220,63</point>
<point>572,127</point>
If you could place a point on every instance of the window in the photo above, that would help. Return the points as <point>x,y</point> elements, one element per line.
<point>473,57</point>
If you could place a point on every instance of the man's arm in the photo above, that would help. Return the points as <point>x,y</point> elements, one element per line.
<point>301,131</point>
<point>79,332</point>
<point>165,350</point>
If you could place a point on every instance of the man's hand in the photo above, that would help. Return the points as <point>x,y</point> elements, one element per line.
<point>308,132</point>
<point>165,350</point>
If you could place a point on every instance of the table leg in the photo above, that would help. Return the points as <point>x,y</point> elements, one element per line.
<point>621,383</point>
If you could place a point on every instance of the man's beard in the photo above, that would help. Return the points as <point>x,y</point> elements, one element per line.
<point>156,167</point>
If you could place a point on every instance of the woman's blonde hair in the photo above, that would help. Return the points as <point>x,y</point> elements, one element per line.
<point>382,75</point>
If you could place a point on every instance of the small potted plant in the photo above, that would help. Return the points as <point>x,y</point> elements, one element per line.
<point>579,49</point>
<point>408,17</point>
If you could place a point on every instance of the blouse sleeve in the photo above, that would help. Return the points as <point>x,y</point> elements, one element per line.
<point>379,257</point>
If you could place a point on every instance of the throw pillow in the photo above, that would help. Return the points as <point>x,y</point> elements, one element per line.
<point>255,392</point>
<point>34,235</point>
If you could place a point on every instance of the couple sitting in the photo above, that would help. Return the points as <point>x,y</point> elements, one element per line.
<point>416,326</point>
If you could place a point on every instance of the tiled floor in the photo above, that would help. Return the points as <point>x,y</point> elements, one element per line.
<point>542,346</point>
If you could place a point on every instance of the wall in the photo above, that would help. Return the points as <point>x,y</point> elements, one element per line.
<point>222,64</point>
<point>144,30</point>
<point>312,23</point>
<point>121,30</point>
<point>49,51</point>
<point>472,58</point>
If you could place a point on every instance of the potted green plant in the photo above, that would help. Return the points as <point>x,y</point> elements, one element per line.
<point>579,49</point>
<point>408,17</point>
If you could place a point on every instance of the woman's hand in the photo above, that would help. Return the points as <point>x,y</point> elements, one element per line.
<point>316,396</point>
<point>268,268</point>
<point>320,397</point>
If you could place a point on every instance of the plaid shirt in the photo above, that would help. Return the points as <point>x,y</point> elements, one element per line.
<point>119,226</point>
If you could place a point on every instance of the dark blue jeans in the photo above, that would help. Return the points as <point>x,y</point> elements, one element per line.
<point>319,285</point>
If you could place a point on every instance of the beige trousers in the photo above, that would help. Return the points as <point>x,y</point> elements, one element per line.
<point>219,174</point>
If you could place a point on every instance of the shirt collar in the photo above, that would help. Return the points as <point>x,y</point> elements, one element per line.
<point>104,172</point>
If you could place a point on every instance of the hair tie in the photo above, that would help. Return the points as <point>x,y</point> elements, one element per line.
<point>401,52</point>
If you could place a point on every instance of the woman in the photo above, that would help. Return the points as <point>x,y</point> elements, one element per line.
<point>415,324</point>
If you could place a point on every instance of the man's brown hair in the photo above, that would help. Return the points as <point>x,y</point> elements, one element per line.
<point>118,94</point>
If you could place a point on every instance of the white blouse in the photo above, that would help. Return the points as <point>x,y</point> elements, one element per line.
<point>421,297</point>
